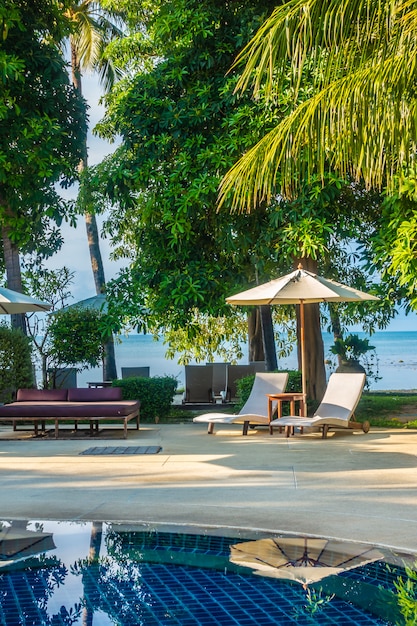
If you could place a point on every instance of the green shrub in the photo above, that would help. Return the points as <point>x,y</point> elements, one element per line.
<point>15,362</point>
<point>155,394</point>
<point>244,386</point>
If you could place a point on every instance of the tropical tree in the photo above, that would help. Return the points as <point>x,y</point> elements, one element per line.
<point>40,132</point>
<point>359,118</point>
<point>180,126</point>
<point>94,28</point>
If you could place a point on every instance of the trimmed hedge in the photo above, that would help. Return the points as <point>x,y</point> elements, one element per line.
<point>155,394</point>
<point>244,385</point>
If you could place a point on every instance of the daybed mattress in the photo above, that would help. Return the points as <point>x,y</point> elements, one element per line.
<point>56,409</point>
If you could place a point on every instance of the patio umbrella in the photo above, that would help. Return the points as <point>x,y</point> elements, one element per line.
<point>12,302</point>
<point>98,302</point>
<point>305,560</point>
<point>299,287</point>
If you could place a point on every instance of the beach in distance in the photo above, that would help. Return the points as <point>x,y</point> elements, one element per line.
<point>396,353</point>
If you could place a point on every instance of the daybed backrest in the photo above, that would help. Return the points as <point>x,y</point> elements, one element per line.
<point>99,394</point>
<point>41,395</point>
<point>265,382</point>
<point>342,395</point>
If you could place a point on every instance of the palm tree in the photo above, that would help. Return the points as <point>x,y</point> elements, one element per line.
<point>355,64</point>
<point>95,28</point>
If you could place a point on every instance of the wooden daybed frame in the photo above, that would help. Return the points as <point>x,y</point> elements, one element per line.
<point>75,404</point>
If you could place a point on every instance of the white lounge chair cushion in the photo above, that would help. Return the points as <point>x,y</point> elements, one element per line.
<point>255,410</point>
<point>225,418</point>
<point>339,402</point>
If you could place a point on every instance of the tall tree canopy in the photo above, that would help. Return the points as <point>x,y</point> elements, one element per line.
<point>182,128</point>
<point>41,130</point>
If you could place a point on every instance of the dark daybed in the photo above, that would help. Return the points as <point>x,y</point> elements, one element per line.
<point>95,405</point>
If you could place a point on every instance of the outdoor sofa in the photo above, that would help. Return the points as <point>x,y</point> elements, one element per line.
<point>94,405</point>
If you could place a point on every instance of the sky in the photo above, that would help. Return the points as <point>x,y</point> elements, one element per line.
<point>74,253</point>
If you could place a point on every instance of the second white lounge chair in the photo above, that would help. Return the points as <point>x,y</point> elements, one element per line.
<point>255,410</point>
<point>336,409</point>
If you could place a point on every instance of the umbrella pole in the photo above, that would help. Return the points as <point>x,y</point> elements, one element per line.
<point>303,359</point>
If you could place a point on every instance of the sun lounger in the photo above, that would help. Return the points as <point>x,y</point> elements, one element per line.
<point>220,380</point>
<point>336,409</point>
<point>198,384</point>
<point>129,372</point>
<point>236,372</point>
<point>255,410</point>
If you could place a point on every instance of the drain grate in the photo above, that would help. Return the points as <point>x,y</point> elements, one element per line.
<point>106,450</point>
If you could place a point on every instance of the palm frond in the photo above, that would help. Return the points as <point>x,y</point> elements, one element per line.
<point>360,118</point>
<point>94,29</point>
<point>337,126</point>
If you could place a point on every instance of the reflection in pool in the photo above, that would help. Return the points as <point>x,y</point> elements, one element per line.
<point>102,574</point>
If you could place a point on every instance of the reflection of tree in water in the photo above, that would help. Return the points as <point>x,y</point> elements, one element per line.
<point>26,587</point>
<point>112,584</point>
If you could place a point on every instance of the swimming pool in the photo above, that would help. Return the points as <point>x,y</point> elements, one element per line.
<point>106,574</point>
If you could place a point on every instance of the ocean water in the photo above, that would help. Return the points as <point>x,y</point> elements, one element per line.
<point>396,354</point>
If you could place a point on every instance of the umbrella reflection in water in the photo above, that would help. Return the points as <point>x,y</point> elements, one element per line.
<point>302,559</point>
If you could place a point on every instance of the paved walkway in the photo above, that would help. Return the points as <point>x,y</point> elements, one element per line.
<point>350,486</point>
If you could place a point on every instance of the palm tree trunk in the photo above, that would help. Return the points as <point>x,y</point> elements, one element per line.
<point>93,566</point>
<point>109,360</point>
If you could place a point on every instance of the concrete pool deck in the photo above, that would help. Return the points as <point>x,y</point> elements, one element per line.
<point>349,486</point>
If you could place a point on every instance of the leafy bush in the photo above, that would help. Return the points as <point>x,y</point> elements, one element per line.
<point>155,394</point>
<point>15,362</point>
<point>244,385</point>
<point>84,325</point>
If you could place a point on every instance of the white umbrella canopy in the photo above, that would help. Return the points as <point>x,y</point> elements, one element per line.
<point>13,302</point>
<point>304,560</point>
<point>98,302</point>
<point>299,287</point>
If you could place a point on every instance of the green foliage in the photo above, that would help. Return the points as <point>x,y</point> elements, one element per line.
<point>41,124</point>
<point>352,58</point>
<point>406,595</point>
<point>76,337</point>
<point>15,362</point>
<point>244,385</point>
<point>316,603</point>
<point>181,124</point>
<point>351,347</point>
<point>394,243</point>
<point>212,338</point>
<point>155,394</point>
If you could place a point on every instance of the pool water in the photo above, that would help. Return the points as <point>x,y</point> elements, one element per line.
<point>102,574</point>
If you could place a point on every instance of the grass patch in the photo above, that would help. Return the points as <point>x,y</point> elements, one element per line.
<point>388,409</point>
<point>179,415</point>
<point>383,409</point>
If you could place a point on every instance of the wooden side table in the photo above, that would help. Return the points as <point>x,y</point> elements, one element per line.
<point>279,398</point>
